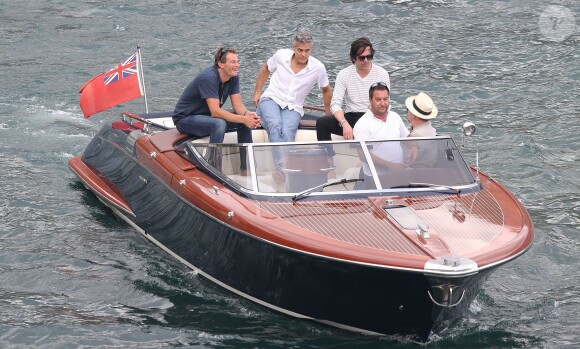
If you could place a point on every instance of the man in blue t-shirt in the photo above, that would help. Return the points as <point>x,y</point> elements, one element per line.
<point>199,110</point>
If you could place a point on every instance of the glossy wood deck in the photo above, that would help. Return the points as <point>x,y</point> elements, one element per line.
<point>488,227</point>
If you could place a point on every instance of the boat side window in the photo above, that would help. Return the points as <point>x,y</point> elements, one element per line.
<point>401,162</point>
<point>227,159</point>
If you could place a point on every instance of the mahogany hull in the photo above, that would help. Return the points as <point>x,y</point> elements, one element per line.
<point>354,295</point>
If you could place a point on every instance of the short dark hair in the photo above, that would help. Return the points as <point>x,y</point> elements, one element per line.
<point>221,55</point>
<point>358,46</point>
<point>378,86</point>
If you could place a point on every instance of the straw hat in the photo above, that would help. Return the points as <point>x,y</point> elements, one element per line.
<point>421,106</point>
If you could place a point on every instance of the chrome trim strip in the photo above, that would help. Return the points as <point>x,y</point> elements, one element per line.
<point>450,266</point>
<point>440,273</point>
<point>374,173</point>
<point>253,174</point>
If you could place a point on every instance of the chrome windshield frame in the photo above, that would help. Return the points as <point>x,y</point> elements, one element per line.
<point>253,188</point>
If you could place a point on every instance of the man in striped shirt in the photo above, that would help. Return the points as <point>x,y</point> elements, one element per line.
<point>352,86</point>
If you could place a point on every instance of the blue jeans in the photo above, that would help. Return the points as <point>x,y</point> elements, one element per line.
<point>215,128</point>
<point>281,124</point>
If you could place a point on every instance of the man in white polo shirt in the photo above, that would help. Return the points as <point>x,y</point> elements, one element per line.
<point>379,122</point>
<point>294,74</point>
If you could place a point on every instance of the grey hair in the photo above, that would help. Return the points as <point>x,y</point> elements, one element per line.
<point>303,38</point>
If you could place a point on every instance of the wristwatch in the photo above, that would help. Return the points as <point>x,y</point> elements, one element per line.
<point>341,122</point>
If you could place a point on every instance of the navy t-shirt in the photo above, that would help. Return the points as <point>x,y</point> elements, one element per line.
<point>206,85</point>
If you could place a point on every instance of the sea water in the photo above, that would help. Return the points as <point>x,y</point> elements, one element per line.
<point>72,275</point>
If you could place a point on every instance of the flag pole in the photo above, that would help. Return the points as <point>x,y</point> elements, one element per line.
<point>142,78</point>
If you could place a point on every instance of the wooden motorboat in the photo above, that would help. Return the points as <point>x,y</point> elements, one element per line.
<point>312,229</point>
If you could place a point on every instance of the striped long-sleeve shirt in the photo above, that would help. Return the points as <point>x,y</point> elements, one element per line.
<point>354,90</point>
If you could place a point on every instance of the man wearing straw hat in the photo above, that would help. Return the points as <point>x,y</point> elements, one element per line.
<point>420,111</point>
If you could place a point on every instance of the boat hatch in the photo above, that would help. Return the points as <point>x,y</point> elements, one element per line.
<point>406,217</point>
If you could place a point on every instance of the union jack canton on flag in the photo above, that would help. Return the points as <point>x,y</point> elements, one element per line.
<point>127,68</point>
<point>118,85</point>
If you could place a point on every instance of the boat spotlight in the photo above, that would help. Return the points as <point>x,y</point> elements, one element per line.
<point>468,128</point>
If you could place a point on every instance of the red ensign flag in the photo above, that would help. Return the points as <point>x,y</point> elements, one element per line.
<point>114,87</point>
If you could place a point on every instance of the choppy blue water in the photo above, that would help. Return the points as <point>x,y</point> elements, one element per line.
<point>71,275</point>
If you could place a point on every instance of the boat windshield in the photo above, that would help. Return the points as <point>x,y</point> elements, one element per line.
<point>299,169</point>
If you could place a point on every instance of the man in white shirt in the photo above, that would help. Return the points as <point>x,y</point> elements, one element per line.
<point>294,74</point>
<point>379,122</point>
<point>352,87</point>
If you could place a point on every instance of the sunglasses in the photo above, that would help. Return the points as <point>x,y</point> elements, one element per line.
<point>367,57</point>
<point>380,83</point>
<point>223,52</point>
